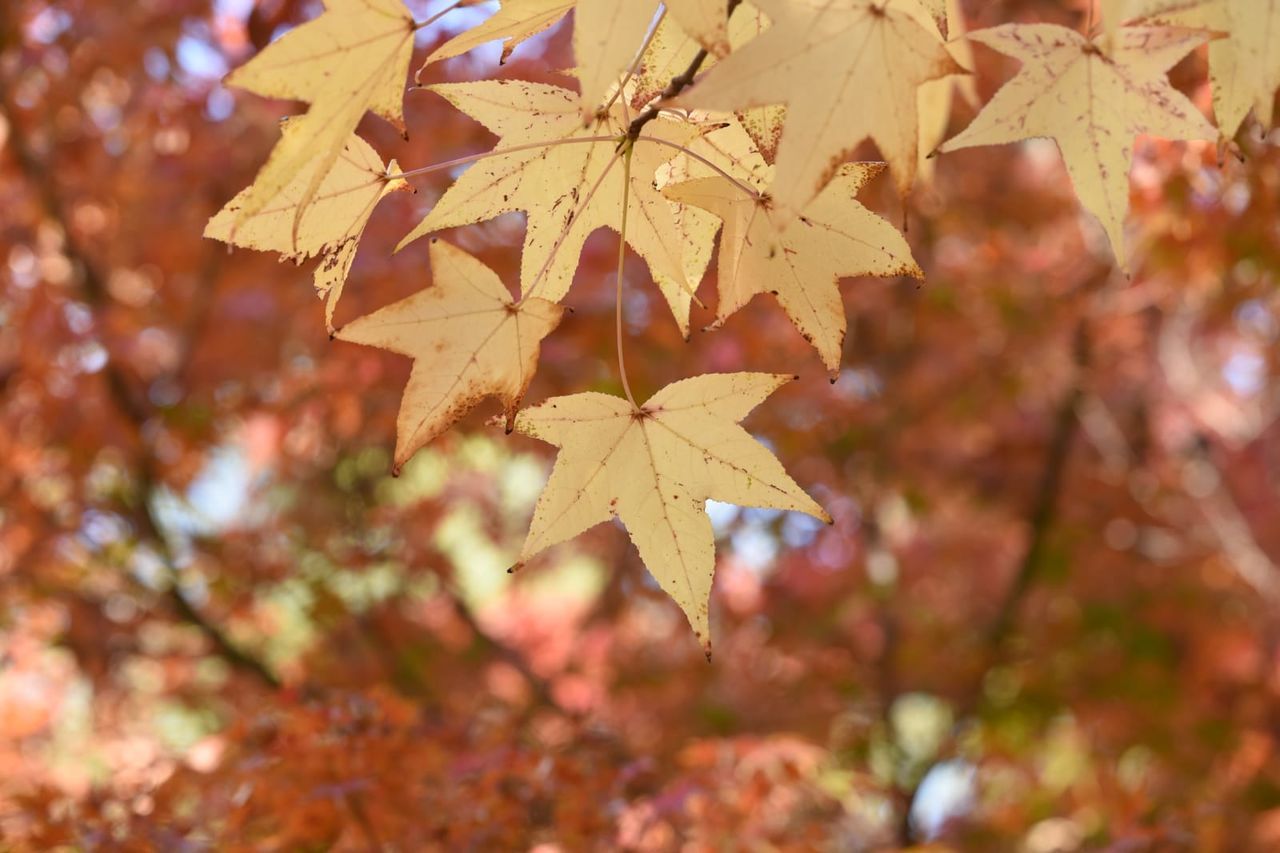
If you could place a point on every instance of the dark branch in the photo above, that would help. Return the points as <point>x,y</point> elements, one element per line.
<point>1041,520</point>
<point>678,84</point>
<point>541,690</point>
<point>133,407</point>
<point>1044,508</point>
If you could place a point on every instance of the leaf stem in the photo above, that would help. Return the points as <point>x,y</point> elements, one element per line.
<point>746,188</point>
<point>622,255</point>
<point>497,152</point>
<point>418,25</point>
<point>635,66</point>
<point>515,149</point>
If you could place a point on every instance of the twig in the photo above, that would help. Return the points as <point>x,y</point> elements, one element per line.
<point>1041,521</point>
<point>541,690</point>
<point>1044,508</point>
<point>677,85</point>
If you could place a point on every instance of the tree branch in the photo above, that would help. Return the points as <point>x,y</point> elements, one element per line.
<point>541,690</point>
<point>1044,507</point>
<point>677,85</point>
<point>1041,520</point>
<point>134,408</point>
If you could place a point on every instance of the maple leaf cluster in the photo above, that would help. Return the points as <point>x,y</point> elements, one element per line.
<point>693,117</point>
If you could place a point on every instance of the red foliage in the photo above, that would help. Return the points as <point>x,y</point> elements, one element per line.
<point>1052,579</point>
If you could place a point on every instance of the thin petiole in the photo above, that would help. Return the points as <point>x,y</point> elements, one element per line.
<point>497,152</point>
<point>635,66</point>
<point>622,255</point>
<point>746,188</point>
<point>418,25</point>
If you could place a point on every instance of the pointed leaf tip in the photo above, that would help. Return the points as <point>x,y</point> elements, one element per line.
<point>651,489</point>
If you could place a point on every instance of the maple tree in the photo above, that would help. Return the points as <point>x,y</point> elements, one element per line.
<point>1024,536</point>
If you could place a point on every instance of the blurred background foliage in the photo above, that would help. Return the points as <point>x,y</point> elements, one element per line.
<point>1044,620</point>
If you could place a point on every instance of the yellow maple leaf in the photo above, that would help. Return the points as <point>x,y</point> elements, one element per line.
<point>558,183</point>
<point>671,51</point>
<point>1091,103</point>
<point>469,340</point>
<point>936,97</point>
<point>330,226</point>
<point>846,70</point>
<point>1244,65</point>
<point>607,34</point>
<point>515,21</point>
<point>352,58</point>
<point>801,262</point>
<point>942,14</point>
<point>654,468</point>
<point>722,145</point>
<point>706,21</point>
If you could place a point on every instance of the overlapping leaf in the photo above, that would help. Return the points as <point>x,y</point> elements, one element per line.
<point>1244,62</point>
<point>1092,103</point>
<point>563,187</point>
<point>673,49</point>
<point>352,58</point>
<point>937,97</point>
<point>515,21</point>
<point>801,260</point>
<point>606,36</point>
<point>706,21</point>
<point>330,226</point>
<point>847,70</point>
<point>654,469</point>
<point>468,339</point>
<point>941,12</point>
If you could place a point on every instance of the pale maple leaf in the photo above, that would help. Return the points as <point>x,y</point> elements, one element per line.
<point>800,262</point>
<point>672,50</point>
<point>515,21</point>
<point>607,34</point>
<point>1244,63</point>
<point>706,21</point>
<point>552,179</point>
<point>936,98</point>
<point>330,226</point>
<point>469,340</point>
<point>722,145</point>
<point>352,58</point>
<point>1091,103</point>
<point>764,126</point>
<point>654,467</point>
<point>940,11</point>
<point>847,70</point>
